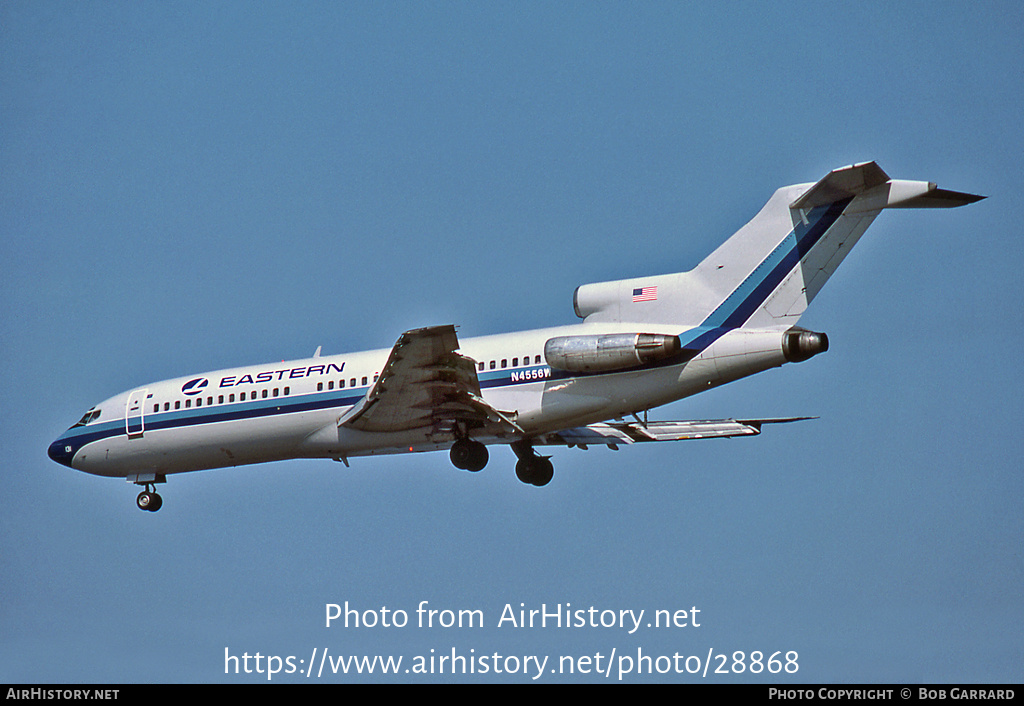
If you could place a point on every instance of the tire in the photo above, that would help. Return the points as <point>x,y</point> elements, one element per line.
<point>543,472</point>
<point>461,453</point>
<point>469,455</point>
<point>478,458</point>
<point>524,471</point>
<point>150,502</point>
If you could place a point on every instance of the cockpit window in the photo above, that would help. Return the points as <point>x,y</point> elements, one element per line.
<point>87,417</point>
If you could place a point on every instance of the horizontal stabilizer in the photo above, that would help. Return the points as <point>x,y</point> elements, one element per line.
<point>933,197</point>
<point>842,184</point>
<point>614,433</point>
<point>855,180</point>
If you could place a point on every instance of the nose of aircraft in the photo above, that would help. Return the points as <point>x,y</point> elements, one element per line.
<point>62,452</point>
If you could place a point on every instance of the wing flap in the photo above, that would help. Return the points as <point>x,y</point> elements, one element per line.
<point>614,433</point>
<point>426,384</point>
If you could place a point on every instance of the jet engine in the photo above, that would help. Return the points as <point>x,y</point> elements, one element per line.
<point>610,352</point>
<point>800,344</point>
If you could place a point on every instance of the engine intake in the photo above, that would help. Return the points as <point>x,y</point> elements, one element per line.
<point>610,352</point>
<point>800,344</point>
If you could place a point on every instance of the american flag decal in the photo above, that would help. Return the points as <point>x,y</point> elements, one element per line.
<point>645,294</point>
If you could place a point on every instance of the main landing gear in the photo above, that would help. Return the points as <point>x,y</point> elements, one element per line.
<point>469,455</point>
<point>532,468</point>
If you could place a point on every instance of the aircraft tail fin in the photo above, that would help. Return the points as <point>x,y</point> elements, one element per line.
<point>766,274</point>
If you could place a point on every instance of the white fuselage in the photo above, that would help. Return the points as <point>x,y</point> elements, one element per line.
<point>291,409</point>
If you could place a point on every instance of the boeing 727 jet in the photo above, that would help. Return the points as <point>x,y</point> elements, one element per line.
<point>642,343</point>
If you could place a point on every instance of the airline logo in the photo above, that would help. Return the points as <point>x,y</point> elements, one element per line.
<point>194,387</point>
<point>286,374</point>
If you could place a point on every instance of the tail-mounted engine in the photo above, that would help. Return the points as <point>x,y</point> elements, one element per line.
<point>608,353</point>
<point>800,344</point>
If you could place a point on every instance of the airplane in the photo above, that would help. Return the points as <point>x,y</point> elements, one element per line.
<point>642,343</point>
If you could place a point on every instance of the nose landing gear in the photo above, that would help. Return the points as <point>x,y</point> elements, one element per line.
<point>148,499</point>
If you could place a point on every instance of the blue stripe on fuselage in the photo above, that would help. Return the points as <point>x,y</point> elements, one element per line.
<point>77,437</point>
<point>759,284</point>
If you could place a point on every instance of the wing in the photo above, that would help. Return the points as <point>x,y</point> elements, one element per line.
<point>612,434</point>
<point>427,385</point>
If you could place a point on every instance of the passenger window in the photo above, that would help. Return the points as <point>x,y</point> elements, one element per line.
<point>493,365</point>
<point>481,365</point>
<point>167,406</point>
<point>504,363</point>
<point>177,404</point>
<point>515,362</point>
<point>341,383</point>
<point>156,407</point>
<point>188,403</point>
<point>287,390</point>
<point>353,383</point>
<point>536,360</point>
<point>275,392</point>
<point>220,399</point>
<point>375,377</point>
<point>241,397</point>
<point>231,397</point>
<point>364,379</point>
<point>264,394</point>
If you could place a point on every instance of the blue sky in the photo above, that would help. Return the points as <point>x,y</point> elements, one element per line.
<point>186,187</point>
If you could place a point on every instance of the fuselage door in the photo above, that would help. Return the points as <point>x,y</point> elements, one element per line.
<point>134,422</point>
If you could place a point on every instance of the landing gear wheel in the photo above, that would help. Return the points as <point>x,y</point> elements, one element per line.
<point>543,472</point>
<point>532,468</point>
<point>469,455</point>
<point>460,453</point>
<point>536,471</point>
<point>524,471</point>
<point>149,501</point>
<point>478,459</point>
